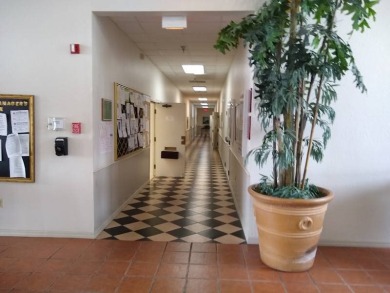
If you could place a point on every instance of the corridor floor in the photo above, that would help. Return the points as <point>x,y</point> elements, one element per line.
<point>30,264</point>
<point>196,208</point>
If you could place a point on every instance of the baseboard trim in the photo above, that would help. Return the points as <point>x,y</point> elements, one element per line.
<point>50,234</point>
<point>117,211</point>
<point>354,244</point>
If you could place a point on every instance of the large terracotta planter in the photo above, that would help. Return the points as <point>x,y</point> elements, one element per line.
<point>289,229</point>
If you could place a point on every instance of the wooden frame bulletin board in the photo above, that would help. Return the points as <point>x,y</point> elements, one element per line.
<point>17,161</point>
<point>131,126</point>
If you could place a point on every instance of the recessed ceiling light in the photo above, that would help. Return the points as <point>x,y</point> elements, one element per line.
<point>205,107</point>
<point>202,99</point>
<point>204,104</point>
<point>200,88</point>
<point>174,22</point>
<point>193,69</point>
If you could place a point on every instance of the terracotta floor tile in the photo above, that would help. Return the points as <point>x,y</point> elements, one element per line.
<point>168,285</point>
<point>37,281</point>
<point>136,285</point>
<point>178,246</point>
<point>203,258</point>
<point>125,245</point>
<point>152,246</point>
<point>95,252</point>
<point>343,262</point>
<point>69,252</point>
<point>84,267</point>
<point>73,248</point>
<point>372,264</point>
<point>114,267</point>
<point>26,265</point>
<point>265,287</point>
<point>10,279</point>
<point>203,286</point>
<point>302,277</point>
<point>381,252</point>
<point>148,256</point>
<point>172,270</point>
<point>70,282</point>
<point>380,277</point>
<point>355,277</point>
<point>122,254</point>
<point>235,286</point>
<point>367,289</point>
<point>233,272</point>
<point>176,257</point>
<point>321,276</point>
<point>144,269</point>
<point>254,261</point>
<point>5,263</point>
<point>261,273</point>
<point>330,288</point>
<point>321,262</point>
<point>233,258</point>
<point>204,247</point>
<point>103,283</point>
<point>301,287</point>
<point>229,249</point>
<point>55,265</point>
<point>203,272</point>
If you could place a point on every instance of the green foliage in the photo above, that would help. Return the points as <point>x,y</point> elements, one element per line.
<point>298,58</point>
<point>309,191</point>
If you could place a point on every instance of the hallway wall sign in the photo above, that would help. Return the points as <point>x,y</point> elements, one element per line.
<point>132,121</point>
<point>17,138</point>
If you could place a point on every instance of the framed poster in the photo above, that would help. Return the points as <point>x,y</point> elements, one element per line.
<point>106,110</point>
<point>17,161</point>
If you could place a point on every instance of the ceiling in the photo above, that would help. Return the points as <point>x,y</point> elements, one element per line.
<point>169,49</point>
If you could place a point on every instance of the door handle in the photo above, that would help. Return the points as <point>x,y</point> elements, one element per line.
<point>183,140</point>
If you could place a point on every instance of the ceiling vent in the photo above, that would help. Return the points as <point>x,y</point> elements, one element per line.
<point>197,81</point>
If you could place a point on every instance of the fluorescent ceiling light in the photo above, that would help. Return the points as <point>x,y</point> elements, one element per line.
<point>193,69</point>
<point>174,22</point>
<point>200,88</point>
<point>204,104</point>
<point>202,99</point>
<point>205,107</point>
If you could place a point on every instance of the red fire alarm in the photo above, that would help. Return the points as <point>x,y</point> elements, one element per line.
<point>76,127</point>
<point>74,48</point>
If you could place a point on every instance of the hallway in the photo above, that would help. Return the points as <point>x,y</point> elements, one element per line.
<point>196,208</point>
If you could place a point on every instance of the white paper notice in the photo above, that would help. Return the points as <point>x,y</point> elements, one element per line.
<point>12,145</point>
<point>20,121</point>
<point>3,124</point>
<point>25,144</point>
<point>16,167</point>
<point>13,148</point>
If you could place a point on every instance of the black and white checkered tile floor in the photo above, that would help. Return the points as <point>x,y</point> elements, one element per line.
<point>196,208</point>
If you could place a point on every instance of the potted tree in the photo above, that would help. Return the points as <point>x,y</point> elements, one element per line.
<point>298,58</point>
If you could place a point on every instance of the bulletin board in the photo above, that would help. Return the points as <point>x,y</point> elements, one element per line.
<point>132,121</point>
<point>17,138</point>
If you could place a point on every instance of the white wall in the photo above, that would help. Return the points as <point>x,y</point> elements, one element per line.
<point>117,59</point>
<point>74,195</point>
<point>238,83</point>
<point>356,164</point>
<point>35,59</point>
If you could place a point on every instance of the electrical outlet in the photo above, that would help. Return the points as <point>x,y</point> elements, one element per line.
<point>1,202</point>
